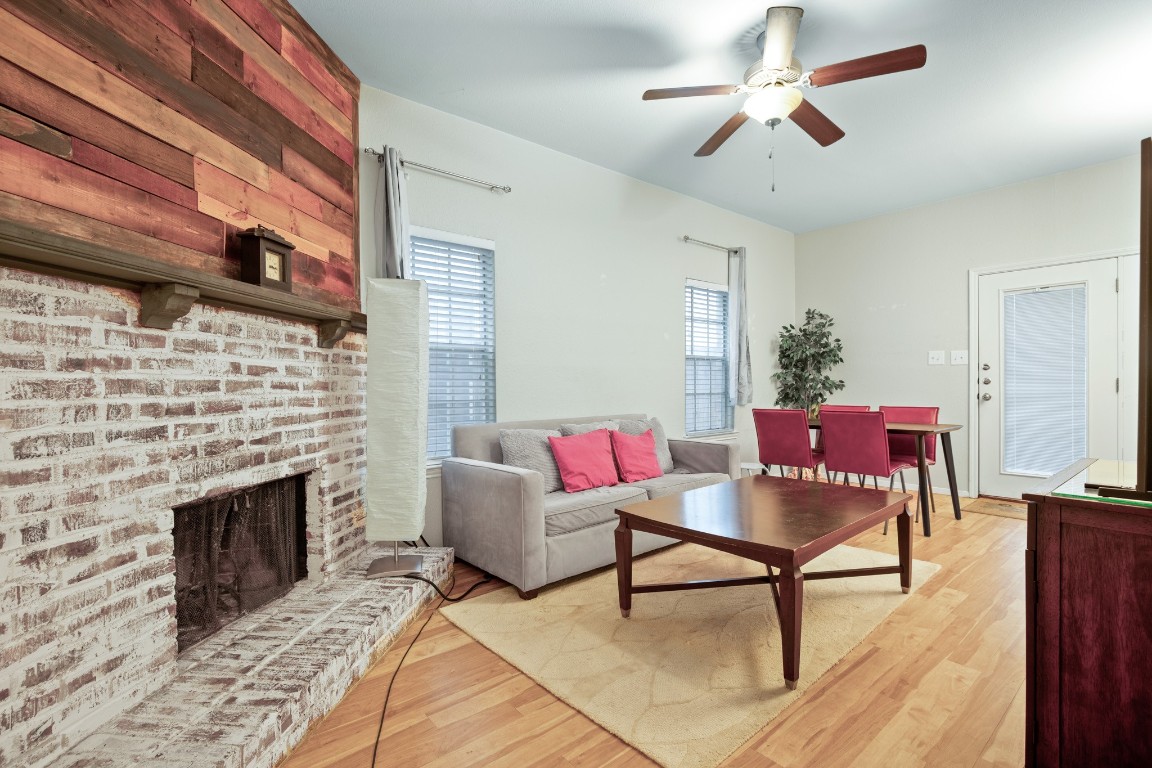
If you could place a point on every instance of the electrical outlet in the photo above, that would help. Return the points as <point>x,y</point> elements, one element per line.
<point>959,357</point>
<point>936,357</point>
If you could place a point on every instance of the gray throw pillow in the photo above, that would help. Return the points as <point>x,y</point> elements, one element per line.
<point>529,449</point>
<point>567,430</point>
<point>639,427</point>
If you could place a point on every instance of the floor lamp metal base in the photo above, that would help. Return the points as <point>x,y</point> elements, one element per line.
<point>395,565</point>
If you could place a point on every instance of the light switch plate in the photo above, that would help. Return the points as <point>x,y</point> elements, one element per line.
<point>959,357</point>
<point>936,357</point>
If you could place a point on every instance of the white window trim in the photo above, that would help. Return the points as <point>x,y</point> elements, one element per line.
<point>453,237</point>
<point>704,284</point>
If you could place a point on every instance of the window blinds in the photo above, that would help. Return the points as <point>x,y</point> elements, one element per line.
<point>707,406</point>
<point>1045,379</point>
<point>461,336</point>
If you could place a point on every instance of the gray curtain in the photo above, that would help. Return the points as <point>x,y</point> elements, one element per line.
<point>392,241</point>
<point>739,360</point>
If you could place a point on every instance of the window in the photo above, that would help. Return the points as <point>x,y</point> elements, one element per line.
<point>707,406</point>
<point>461,335</point>
<point>1045,379</point>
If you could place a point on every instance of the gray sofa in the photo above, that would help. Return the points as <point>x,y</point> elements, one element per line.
<point>499,518</point>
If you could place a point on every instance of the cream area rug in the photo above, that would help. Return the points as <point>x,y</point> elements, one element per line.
<point>691,675</point>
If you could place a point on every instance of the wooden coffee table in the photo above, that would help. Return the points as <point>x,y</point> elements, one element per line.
<point>780,522</point>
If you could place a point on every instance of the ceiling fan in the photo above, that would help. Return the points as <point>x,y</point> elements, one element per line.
<point>774,83</point>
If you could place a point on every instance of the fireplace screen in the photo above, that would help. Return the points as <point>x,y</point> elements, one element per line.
<point>235,552</point>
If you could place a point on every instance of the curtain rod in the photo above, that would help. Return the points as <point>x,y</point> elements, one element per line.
<point>687,239</point>
<point>406,163</point>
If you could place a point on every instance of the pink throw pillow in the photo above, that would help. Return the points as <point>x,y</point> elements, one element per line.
<point>636,456</point>
<point>585,461</point>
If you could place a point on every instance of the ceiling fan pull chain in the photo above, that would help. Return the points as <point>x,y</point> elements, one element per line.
<point>772,157</point>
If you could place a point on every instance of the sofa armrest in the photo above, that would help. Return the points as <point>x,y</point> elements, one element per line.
<point>705,456</point>
<point>494,518</point>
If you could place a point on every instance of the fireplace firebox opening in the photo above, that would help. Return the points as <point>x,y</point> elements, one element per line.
<point>235,552</point>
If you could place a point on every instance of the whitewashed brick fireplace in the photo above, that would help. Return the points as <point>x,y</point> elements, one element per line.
<point>105,426</point>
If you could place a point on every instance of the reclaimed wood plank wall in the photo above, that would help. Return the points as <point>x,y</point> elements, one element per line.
<point>163,127</point>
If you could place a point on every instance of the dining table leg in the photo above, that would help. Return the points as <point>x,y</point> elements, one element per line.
<point>925,485</point>
<point>946,444</point>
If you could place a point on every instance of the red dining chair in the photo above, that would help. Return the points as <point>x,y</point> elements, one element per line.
<point>820,435</point>
<point>783,438</point>
<point>856,442</point>
<point>904,446</point>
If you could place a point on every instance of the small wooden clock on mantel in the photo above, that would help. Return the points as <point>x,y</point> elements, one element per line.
<point>266,258</point>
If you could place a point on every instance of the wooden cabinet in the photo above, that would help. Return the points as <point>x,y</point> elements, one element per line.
<point>1089,619</point>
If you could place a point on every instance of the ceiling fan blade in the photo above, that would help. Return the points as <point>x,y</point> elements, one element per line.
<point>899,60</point>
<point>780,36</point>
<point>722,135</point>
<point>816,124</point>
<point>694,90</point>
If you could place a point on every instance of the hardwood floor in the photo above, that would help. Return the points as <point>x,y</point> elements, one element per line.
<point>940,683</point>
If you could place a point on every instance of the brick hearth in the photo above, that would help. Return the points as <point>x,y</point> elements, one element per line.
<point>246,695</point>
<point>105,426</point>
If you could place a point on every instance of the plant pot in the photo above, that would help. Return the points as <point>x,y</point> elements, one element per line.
<point>814,410</point>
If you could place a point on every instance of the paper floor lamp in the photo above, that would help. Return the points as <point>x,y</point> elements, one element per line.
<point>397,398</point>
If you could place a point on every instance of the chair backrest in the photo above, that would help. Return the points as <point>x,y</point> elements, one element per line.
<point>855,442</point>
<point>905,445</point>
<point>783,437</point>
<point>833,407</point>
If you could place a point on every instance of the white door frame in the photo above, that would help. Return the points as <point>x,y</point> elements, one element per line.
<point>974,276</point>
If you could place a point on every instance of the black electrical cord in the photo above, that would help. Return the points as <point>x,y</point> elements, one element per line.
<point>388,693</point>
<point>443,598</point>
<point>487,578</point>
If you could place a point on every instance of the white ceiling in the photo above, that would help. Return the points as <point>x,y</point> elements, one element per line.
<point>1013,89</point>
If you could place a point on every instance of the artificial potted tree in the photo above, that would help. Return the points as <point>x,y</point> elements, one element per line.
<point>805,357</point>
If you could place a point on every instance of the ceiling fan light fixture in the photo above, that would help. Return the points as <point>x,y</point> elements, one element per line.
<point>771,105</point>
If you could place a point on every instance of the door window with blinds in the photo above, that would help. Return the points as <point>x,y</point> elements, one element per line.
<point>461,335</point>
<point>707,406</point>
<point>1045,421</point>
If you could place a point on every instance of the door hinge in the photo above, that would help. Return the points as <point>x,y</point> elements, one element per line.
<point>1117,385</point>
<point>1117,285</point>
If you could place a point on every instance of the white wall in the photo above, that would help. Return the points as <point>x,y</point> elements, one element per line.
<point>589,269</point>
<point>897,285</point>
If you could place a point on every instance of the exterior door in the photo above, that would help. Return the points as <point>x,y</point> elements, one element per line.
<point>1048,372</point>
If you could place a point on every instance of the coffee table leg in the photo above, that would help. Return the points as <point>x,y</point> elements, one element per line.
<point>624,566</point>
<point>791,611</point>
<point>904,534</point>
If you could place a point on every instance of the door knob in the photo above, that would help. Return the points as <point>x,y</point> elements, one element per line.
<point>987,380</point>
<point>985,367</point>
<point>986,396</point>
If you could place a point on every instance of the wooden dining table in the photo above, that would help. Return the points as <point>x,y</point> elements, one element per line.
<point>921,433</point>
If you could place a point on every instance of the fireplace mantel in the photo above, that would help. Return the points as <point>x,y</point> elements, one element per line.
<point>25,247</point>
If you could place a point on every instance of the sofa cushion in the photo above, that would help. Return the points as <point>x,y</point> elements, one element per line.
<point>591,426</point>
<point>529,449</point>
<point>567,512</point>
<point>640,426</point>
<point>585,461</point>
<point>676,482</point>
<point>635,456</point>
